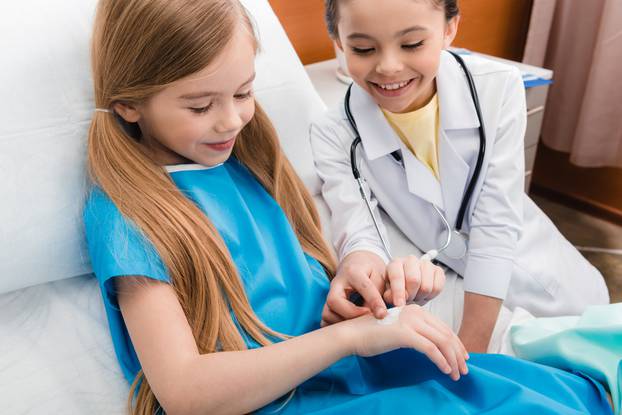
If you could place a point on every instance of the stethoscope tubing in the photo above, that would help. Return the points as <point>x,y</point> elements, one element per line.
<point>431,254</point>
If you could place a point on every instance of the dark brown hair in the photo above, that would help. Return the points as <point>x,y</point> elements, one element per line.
<point>332,12</point>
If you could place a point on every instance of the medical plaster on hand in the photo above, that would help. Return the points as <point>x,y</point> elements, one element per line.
<point>392,317</point>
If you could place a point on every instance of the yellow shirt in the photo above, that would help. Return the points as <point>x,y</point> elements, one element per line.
<point>419,132</point>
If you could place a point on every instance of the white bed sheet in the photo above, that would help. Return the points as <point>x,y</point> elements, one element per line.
<point>56,355</point>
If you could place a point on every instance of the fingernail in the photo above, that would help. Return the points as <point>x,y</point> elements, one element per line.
<point>447,370</point>
<point>379,310</point>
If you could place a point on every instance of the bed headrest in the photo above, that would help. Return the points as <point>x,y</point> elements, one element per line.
<point>46,108</point>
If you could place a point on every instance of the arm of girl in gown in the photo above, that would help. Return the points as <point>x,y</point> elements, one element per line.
<point>186,381</point>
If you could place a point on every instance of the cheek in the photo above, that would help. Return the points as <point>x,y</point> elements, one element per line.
<point>428,64</point>
<point>359,68</point>
<point>248,111</point>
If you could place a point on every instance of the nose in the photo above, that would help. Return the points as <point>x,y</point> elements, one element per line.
<point>229,119</point>
<point>389,64</point>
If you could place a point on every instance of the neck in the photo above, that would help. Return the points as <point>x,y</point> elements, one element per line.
<point>423,99</point>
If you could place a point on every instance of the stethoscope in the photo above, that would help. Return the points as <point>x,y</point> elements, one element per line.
<point>456,242</point>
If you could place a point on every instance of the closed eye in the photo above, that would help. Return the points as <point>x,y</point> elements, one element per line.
<point>244,96</point>
<point>201,110</point>
<point>362,51</point>
<point>413,46</point>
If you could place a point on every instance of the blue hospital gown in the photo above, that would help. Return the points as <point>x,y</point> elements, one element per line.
<point>287,289</point>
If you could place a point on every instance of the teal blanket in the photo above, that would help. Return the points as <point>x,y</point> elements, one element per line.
<point>590,344</point>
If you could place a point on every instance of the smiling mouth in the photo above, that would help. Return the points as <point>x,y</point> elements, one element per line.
<point>392,88</point>
<point>223,145</point>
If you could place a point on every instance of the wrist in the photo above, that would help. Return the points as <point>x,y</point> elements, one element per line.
<point>348,333</point>
<point>345,336</point>
<point>377,252</point>
<point>363,257</point>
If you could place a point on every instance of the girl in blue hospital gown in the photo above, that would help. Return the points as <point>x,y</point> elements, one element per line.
<point>287,290</point>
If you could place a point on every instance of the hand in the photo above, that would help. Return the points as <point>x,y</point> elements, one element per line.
<point>361,272</point>
<point>412,280</point>
<point>416,328</point>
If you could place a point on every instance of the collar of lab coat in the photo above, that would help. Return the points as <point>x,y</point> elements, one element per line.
<point>456,112</point>
<point>454,96</point>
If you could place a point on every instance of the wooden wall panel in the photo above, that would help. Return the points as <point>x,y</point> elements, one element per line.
<point>593,190</point>
<point>496,27</point>
<point>303,21</point>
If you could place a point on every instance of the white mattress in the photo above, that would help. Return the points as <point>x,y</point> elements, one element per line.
<point>56,356</point>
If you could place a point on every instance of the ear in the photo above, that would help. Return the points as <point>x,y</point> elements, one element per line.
<point>129,112</point>
<point>451,29</point>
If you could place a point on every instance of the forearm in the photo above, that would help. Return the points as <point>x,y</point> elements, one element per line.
<point>478,321</point>
<point>242,381</point>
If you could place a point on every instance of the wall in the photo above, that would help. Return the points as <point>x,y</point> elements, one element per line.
<point>490,26</point>
<point>597,191</point>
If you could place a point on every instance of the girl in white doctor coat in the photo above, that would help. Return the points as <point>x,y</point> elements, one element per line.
<point>410,96</point>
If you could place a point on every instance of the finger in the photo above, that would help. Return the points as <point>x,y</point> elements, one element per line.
<point>427,280</point>
<point>461,355</point>
<point>337,301</point>
<point>379,282</point>
<point>362,284</point>
<point>443,343</point>
<point>452,340</point>
<point>329,317</point>
<point>439,283</point>
<point>377,279</point>
<point>412,274</point>
<point>395,275</point>
<point>433,353</point>
<point>388,296</point>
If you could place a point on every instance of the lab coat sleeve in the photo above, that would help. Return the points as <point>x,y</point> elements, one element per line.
<point>496,222</point>
<point>351,225</point>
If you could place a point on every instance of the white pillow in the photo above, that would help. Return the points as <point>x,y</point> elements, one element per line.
<point>45,111</point>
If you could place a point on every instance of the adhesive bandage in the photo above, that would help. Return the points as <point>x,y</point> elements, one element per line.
<point>392,316</point>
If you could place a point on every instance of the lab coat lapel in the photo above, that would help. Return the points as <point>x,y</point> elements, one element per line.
<point>377,136</point>
<point>379,139</point>
<point>457,112</point>
<point>421,181</point>
<point>454,172</point>
<point>454,96</point>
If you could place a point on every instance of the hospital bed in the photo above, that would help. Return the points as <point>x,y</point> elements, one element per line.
<point>56,355</point>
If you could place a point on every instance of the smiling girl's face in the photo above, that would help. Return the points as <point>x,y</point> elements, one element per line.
<point>198,118</point>
<point>393,48</point>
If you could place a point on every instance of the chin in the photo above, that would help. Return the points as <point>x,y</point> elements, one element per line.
<point>395,106</point>
<point>213,161</point>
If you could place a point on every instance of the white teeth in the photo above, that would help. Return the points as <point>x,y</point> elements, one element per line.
<point>391,87</point>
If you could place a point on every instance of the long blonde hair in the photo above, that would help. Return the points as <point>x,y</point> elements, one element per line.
<point>139,47</point>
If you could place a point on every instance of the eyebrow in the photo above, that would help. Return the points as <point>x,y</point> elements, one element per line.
<point>398,34</point>
<point>204,94</point>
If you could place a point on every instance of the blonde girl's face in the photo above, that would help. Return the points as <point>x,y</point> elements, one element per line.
<point>393,47</point>
<point>198,118</point>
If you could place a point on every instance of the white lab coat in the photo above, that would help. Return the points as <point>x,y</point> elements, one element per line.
<point>515,252</point>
